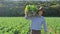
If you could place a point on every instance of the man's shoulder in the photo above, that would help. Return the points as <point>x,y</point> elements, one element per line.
<point>42,16</point>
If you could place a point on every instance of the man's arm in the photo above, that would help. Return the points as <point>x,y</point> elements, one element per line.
<point>26,15</point>
<point>45,25</point>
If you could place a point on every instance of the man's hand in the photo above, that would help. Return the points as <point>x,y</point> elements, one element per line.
<point>46,32</point>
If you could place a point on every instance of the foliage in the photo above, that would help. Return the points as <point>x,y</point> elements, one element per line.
<point>19,25</point>
<point>14,25</point>
<point>31,9</point>
<point>51,8</point>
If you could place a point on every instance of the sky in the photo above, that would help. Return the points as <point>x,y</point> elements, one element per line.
<point>27,0</point>
<point>18,0</point>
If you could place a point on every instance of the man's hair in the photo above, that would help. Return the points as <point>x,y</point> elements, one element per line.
<point>40,9</point>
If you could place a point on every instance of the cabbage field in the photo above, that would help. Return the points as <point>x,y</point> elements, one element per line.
<point>19,25</point>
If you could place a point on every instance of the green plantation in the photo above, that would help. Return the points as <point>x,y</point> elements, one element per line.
<point>19,25</point>
<point>13,25</point>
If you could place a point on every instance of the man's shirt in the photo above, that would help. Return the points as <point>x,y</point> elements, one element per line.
<point>37,23</point>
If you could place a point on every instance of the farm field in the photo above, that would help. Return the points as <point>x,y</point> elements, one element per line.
<point>19,25</point>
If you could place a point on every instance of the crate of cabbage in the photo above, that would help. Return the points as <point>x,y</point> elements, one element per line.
<point>31,10</point>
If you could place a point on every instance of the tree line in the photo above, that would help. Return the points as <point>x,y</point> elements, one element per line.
<point>51,9</point>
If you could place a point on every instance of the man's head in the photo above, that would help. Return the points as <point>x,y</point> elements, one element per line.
<point>40,11</point>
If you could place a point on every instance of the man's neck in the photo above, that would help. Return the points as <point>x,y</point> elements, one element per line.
<point>39,15</point>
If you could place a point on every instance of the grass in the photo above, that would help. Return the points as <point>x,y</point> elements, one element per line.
<point>19,25</point>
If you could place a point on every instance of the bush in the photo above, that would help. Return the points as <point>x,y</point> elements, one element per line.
<point>52,11</point>
<point>31,9</point>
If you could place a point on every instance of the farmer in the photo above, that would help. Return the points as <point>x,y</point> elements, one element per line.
<point>37,22</point>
